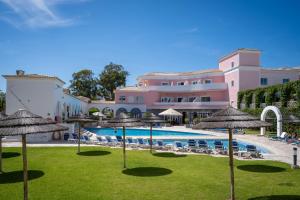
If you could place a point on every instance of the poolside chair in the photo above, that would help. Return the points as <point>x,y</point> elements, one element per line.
<point>203,147</point>
<point>235,147</point>
<point>251,149</point>
<point>178,146</point>
<point>110,141</point>
<point>101,140</point>
<point>66,136</point>
<point>219,148</point>
<point>119,138</point>
<point>74,138</point>
<point>192,145</point>
<point>280,138</point>
<point>159,145</point>
<point>87,139</point>
<point>131,143</point>
<point>141,143</point>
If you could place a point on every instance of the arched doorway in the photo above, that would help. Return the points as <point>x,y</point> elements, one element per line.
<point>121,110</point>
<point>136,113</point>
<point>278,118</point>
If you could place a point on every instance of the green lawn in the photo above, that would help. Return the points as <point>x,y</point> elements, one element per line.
<point>59,173</point>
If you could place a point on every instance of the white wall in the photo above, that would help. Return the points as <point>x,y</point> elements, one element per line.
<point>34,95</point>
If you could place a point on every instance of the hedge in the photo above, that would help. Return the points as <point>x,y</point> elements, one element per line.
<point>275,93</point>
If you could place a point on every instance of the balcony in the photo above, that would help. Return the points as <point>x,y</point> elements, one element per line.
<point>187,88</point>
<point>190,105</point>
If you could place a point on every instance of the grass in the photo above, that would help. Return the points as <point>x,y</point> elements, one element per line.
<point>257,132</point>
<point>96,173</point>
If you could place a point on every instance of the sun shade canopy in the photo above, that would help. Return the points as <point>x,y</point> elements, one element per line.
<point>24,122</point>
<point>231,118</point>
<point>123,120</point>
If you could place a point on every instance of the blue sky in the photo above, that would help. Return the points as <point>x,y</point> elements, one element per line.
<point>59,37</point>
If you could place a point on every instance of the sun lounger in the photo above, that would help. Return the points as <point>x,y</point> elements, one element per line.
<point>119,138</point>
<point>219,148</point>
<point>253,151</point>
<point>66,136</point>
<point>110,141</point>
<point>141,143</point>
<point>74,138</point>
<point>178,146</point>
<point>87,139</point>
<point>192,145</point>
<point>101,140</point>
<point>203,147</point>
<point>159,145</point>
<point>280,138</point>
<point>131,143</point>
<point>235,146</point>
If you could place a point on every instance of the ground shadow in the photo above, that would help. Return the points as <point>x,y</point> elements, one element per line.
<point>93,153</point>
<point>261,168</point>
<point>277,197</point>
<point>10,154</point>
<point>168,155</point>
<point>287,184</point>
<point>147,171</point>
<point>17,176</point>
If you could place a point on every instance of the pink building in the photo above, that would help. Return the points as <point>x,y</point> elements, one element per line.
<point>202,92</point>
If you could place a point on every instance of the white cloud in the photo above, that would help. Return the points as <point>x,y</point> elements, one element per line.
<point>36,13</point>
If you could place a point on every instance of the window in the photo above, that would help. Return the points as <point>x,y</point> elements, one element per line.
<point>285,80</point>
<point>180,83</point>
<point>179,99</point>
<point>130,99</point>
<point>205,99</point>
<point>195,82</point>
<point>191,99</point>
<point>164,83</point>
<point>122,99</point>
<point>165,99</point>
<point>263,81</point>
<point>207,81</point>
<point>232,64</point>
<point>232,83</point>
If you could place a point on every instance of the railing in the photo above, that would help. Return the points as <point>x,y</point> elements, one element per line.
<point>187,88</point>
<point>182,105</point>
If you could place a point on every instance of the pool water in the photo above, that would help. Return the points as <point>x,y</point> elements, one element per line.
<point>141,132</point>
<point>145,133</point>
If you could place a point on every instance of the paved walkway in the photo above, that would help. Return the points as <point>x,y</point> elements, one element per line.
<point>279,151</point>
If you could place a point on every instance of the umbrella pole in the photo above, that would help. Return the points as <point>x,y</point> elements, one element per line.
<point>151,141</point>
<point>0,155</point>
<point>124,147</point>
<point>25,173</point>
<point>78,150</point>
<point>232,197</point>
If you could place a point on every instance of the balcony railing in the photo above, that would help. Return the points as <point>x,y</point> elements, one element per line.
<point>189,105</point>
<point>186,88</point>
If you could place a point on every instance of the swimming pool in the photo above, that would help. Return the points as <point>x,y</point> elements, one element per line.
<point>141,132</point>
<point>145,133</point>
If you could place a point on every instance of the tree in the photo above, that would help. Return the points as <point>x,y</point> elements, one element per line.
<point>84,84</point>
<point>2,101</point>
<point>111,77</point>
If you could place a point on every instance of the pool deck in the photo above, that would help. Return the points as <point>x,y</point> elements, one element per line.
<point>279,151</point>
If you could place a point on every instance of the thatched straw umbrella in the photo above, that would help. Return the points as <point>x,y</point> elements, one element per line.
<point>81,120</point>
<point>24,122</point>
<point>231,118</point>
<point>2,116</point>
<point>123,121</point>
<point>151,119</point>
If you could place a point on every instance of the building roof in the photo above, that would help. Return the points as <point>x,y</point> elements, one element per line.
<point>238,51</point>
<point>180,73</point>
<point>282,69</point>
<point>33,76</point>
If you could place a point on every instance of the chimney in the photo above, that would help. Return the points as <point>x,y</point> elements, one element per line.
<point>20,72</point>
